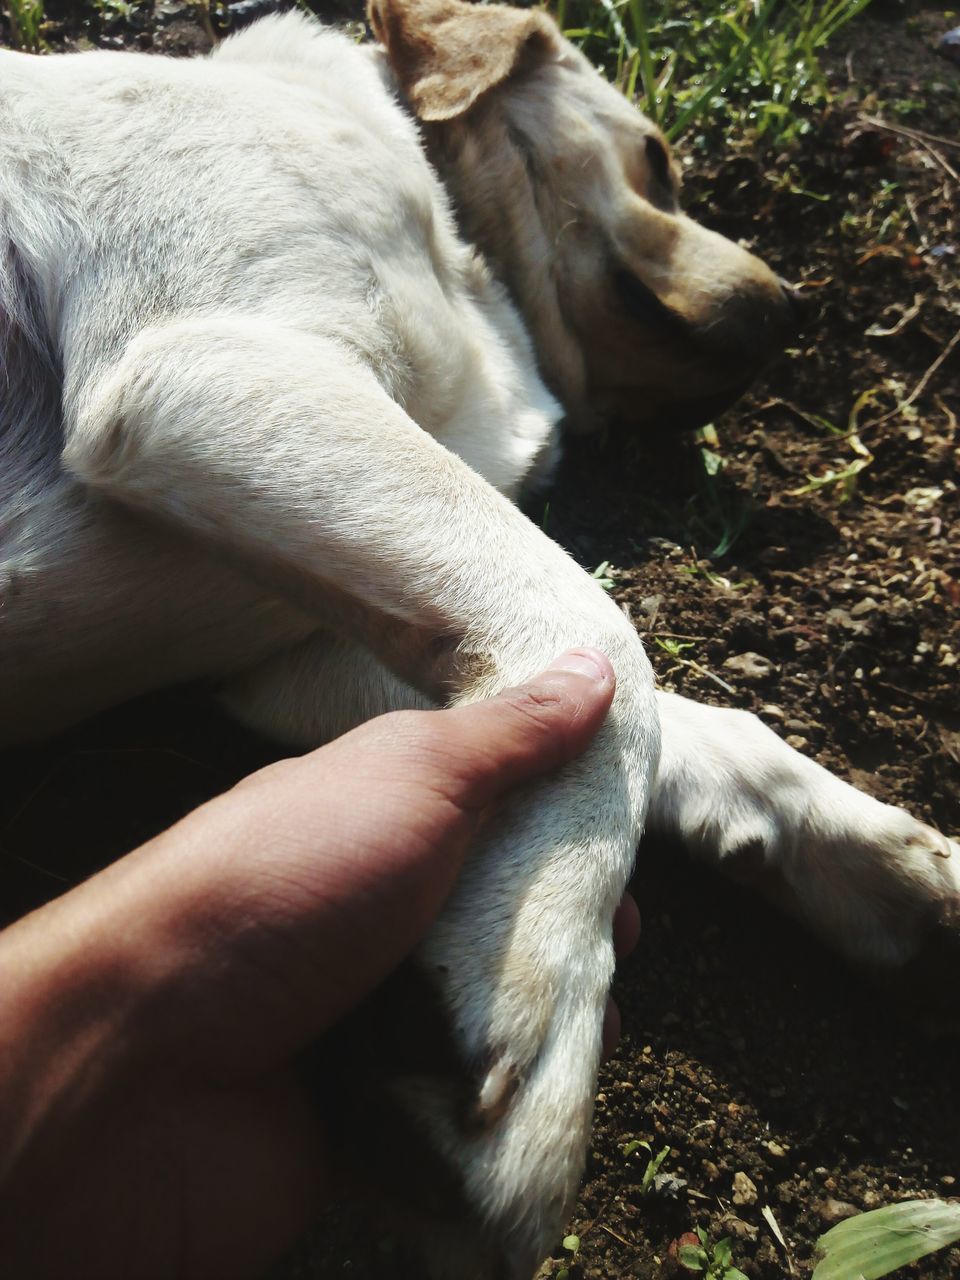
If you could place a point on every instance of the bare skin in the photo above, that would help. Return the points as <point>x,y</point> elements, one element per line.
<point>151,1118</point>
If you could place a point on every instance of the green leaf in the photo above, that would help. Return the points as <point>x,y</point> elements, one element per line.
<point>653,1166</point>
<point>712,462</point>
<point>722,1253</point>
<point>874,1244</point>
<point>605,575</point>
<point>692,1257</point>
<point>571,1244</point>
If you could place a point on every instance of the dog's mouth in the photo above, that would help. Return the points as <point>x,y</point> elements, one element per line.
<point>689,415</point>
<point>628,410</point>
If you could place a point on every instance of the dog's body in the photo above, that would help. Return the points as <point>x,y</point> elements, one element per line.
<point>265,407</point>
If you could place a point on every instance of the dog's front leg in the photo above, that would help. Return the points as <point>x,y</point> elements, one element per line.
<point>286,454</point>
<point>874,882</point>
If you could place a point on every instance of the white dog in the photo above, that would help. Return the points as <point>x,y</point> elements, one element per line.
<point>282,332</point>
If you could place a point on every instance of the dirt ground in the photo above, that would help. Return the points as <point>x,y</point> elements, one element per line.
<point>775,1077</point>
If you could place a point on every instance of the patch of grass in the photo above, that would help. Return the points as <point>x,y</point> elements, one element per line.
<point>26,18</point>
<point>843,477</point>
<point>884,221</point>
<point>718,514</point>
<point>749,65</point>
<point>111,10</point>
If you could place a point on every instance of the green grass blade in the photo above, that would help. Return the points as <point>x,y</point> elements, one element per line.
<point>835,17</point>
<point>641,36</point>
<point>874,1244</point>
<point>616,26</point>
<point>631,70</point>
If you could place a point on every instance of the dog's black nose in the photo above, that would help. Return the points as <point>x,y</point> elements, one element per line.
<point>798,304</point>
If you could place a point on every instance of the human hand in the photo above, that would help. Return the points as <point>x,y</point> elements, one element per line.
<point>152,1120</point>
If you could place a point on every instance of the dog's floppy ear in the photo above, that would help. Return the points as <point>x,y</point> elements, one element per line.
<point>446,53</point>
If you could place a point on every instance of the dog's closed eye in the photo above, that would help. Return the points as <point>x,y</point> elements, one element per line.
<point>661,189</point>
<point>659,162</point>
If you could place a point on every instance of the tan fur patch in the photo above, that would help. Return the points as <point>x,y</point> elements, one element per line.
<point>447,54</point>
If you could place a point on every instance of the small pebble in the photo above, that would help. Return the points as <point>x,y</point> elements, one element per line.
<point>831,1210</point>
<point>737,1227</point>
<point>744,1189</point>
<point>863,607</point>
<point>750,667</point>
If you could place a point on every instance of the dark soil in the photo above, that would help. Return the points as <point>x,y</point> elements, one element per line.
<point>747,1049</point>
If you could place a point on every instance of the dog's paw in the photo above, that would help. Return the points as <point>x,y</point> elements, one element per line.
<point>874,879</point>
<point>467,1090</point>
<point>874,882</point>
<point>529,1031</point>
<point>911,897</point>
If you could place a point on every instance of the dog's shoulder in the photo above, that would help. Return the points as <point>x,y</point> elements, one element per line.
<point>295,47</point>
<point>287,40</point>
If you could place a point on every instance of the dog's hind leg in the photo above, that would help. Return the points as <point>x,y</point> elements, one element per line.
<point>316,690</point>
<point>877,884</point>
<point>285,454</point>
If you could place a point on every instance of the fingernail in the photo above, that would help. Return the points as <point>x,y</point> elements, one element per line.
<point>584,662</point>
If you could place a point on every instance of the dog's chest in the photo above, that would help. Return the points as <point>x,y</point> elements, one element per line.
<point>296,191</point>
<point>464,371</point>
<point>439,332</point>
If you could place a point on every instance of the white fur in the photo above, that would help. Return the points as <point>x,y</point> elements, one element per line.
<point>264,411</point>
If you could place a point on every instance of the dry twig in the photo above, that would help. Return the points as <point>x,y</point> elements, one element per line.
<point>919,389</point>
<point>917,135</point>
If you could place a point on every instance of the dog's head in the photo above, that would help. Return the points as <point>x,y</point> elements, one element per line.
<point>638,313</point>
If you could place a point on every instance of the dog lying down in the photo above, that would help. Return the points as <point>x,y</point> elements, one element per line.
<point>284,330</point>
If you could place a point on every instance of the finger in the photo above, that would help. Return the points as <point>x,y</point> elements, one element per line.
<point>532,729</point>
<point>626,926</point>
<point>626,935</point>
<point>611,1030</point>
